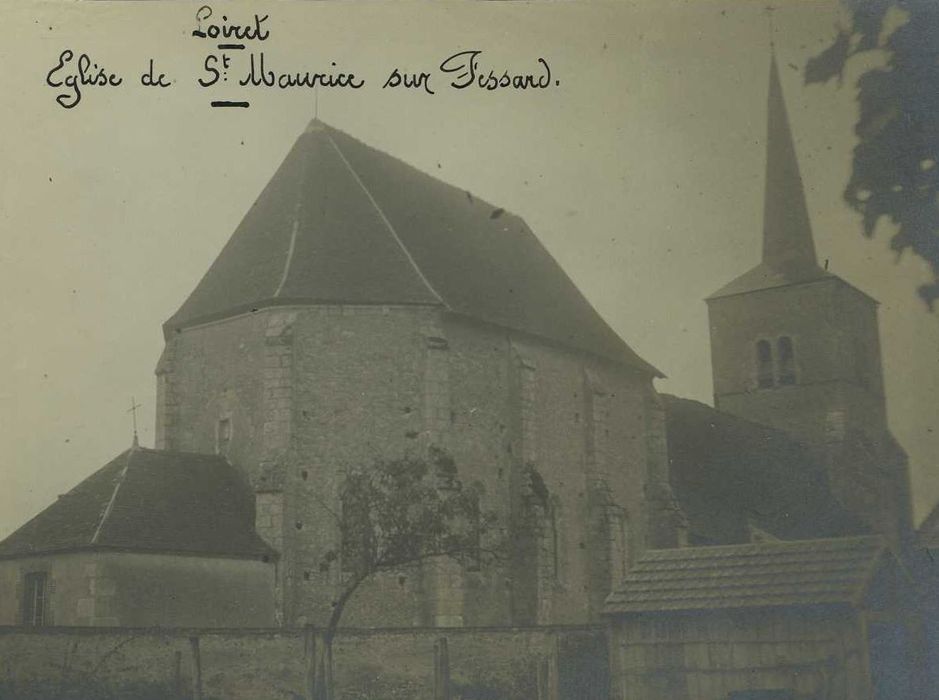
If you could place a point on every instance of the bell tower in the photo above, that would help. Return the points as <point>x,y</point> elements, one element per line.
<point>797,348</point>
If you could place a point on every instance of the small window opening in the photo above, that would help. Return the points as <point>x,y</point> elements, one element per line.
<point>618,544</point>
<point>472,559</point>
<point>223,436</point>
<point>764,364</point>
<point>35,601</point>
<point>787,367</point>
<point>555,542</point>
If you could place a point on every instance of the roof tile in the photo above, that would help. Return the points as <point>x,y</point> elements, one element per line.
<point>765,574</point>
<point>148,500</point>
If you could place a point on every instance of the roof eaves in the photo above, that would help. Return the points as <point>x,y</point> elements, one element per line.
<point>271,303</point>
<point>269,552</point>
<point>722,294</point>
<point>630,359</point>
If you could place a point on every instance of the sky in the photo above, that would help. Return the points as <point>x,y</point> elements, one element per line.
<point>641,171</point>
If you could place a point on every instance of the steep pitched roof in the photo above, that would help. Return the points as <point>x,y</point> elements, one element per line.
<point>729,473</point>
<point>928,533</point>
<point>766,574</point>
<point>152,501</point>
<point>341,222</point>
<point>788,247</point>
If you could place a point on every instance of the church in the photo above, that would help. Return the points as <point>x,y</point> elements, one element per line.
<point>364,309</point>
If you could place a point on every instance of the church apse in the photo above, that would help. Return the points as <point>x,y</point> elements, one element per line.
<point>335,330</point>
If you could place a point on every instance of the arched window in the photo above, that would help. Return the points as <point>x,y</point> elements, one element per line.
<point>223,436</point>
<point>35,599</point>
<point>618,544</point>
<point>787,364</point>
<point>764,364</point>
<point>553,539</point>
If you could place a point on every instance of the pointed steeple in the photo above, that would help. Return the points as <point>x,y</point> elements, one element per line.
<point>787,233</point>
<point>788,248</point>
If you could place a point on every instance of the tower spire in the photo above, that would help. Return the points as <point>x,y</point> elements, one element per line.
<point>787,233</point>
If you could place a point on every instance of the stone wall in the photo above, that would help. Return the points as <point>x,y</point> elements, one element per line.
<point>133,589</point>
<point>834,332</point>
<point>836,405</point>
<point>710,655</point>
<point>312,392</point>
<point>381,664</point>
<point>210,373</point>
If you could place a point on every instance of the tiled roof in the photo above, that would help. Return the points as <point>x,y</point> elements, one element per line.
<point>341,222</point>
<point>148,500</point>
<point>765,574</point>
<point>729,473</point>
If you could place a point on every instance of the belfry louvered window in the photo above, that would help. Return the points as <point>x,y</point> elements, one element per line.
<point>787,364</point>
<point>764,364</point>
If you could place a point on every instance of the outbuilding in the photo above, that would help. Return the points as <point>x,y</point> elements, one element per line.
<point>153,538</point>
<point>774,620</point>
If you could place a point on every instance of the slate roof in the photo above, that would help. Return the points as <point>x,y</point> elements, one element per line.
<point>728,473</point>
<point>928,533</point>
<point>150,501</point>
<point>766,574</point>
<point>341,222</point>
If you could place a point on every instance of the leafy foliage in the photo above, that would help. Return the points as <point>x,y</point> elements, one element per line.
<point>894,172</point>
<point>398,512</point>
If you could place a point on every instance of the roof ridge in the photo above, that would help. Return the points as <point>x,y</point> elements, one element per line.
<point>297,207</point>
<point>777,544</point>
<point>388,225</point>
<point>117,487</point>
<point>188,453</point>
<point>329,129</point>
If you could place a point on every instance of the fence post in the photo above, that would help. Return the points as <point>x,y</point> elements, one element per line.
<point>309,654</point>
<point>197,669</point>
<point>328,671</point>
<point>554,660</point>
<point>541,678</point>
<point>441,669</point>
<point>328,660</point>
<point>321,656</point>
<point>546,670</point>
<point>178,673</point>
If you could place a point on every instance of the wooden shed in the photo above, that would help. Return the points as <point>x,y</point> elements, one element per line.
<point>813,619</point>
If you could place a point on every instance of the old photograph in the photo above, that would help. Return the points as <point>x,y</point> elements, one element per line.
<point>469,350</point>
